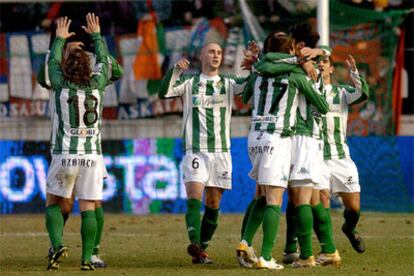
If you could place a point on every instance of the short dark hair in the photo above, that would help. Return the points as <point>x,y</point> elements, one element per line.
<point>304,32</point>
<point>276,42</point>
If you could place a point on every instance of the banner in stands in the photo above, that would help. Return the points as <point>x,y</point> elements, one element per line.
<point>368,35</point>
<point>145,175</point>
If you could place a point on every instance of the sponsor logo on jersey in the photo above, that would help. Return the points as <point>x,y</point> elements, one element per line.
<point>264,119</point>
<point>83,132</point>
<point>208,101</point>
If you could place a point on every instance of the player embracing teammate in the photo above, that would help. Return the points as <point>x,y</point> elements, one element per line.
<point>307,187</point>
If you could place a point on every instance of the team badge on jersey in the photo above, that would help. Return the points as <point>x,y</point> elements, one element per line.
<point>196,101</point>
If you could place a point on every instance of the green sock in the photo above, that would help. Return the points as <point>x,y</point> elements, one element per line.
<point>304,230</point>
<point>351,220</point>
<point>246,216</point>
<point>291,239</point>
<point>54,225</point>
<point>192,220</point>
<point>270,226</point>
<point>321,228</point>
<point>208,225</point>
<point>99,213</point>
<point>329,221</point>
<point>254,220</point>
<point>88,232</point>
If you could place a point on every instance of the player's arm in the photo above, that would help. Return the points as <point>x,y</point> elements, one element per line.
<point>173,85</point>
<point>306,87</point>
<point>270,68</point>
<point>360,91</point>
<point>115,70</point>
<point>291,64</point>
<point>238,84</point>
<point>55,59</point>
<point>249,88</point>
<point>43,74</point>
<point>310,53</point>
<point>100,76</point>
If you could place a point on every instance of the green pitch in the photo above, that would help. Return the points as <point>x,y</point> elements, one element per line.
<point>156,245</point>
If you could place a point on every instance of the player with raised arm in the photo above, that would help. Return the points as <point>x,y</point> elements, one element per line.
<point>78,42</point>
<point>207,163</point>
<point>76,142</point>
<point>341,173</point>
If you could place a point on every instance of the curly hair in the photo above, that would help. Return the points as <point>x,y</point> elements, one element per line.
<point>76,68</point>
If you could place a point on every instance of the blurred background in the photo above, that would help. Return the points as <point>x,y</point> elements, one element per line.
<point>142,135</point>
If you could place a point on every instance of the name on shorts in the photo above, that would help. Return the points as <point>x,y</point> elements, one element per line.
<point>261,150</point>
<point>81,162</point>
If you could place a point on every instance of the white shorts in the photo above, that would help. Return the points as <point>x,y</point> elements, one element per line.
<point>82,174</point>
<point>325,182</point>
<point>270,158</point>
<point>343,176</point>
<point>104,171</point>
<point>306,163</point>
<point>213,169</point>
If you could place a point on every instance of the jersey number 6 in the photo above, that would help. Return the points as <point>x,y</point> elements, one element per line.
<point>195,163</point>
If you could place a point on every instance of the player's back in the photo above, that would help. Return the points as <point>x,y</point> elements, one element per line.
<point>76,122</point>
<point>274,105</point>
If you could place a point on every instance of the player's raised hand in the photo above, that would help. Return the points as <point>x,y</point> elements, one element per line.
<point>92,24</point>
<point>183,64</point>
<point>248,62</point>
<point>310,53</point>
<point>350,62</point>
<point>253,48</point>
<point>62,27</point>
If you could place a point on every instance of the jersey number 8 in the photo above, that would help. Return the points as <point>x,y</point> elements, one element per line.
<point>91,114</point>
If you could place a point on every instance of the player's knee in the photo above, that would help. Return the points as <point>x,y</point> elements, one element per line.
<point>213,203</point>
<point>353,208</point>
<point>66,206</point>
<point>325,198</point>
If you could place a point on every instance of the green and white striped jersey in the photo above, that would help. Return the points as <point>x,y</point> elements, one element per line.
<point>278,99</point>
<point>335,121</point>
<point>273,101</point>
<point>308,119</point>
<point>307,115</point>
<point>207,107</point>
<point>77,116</point>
